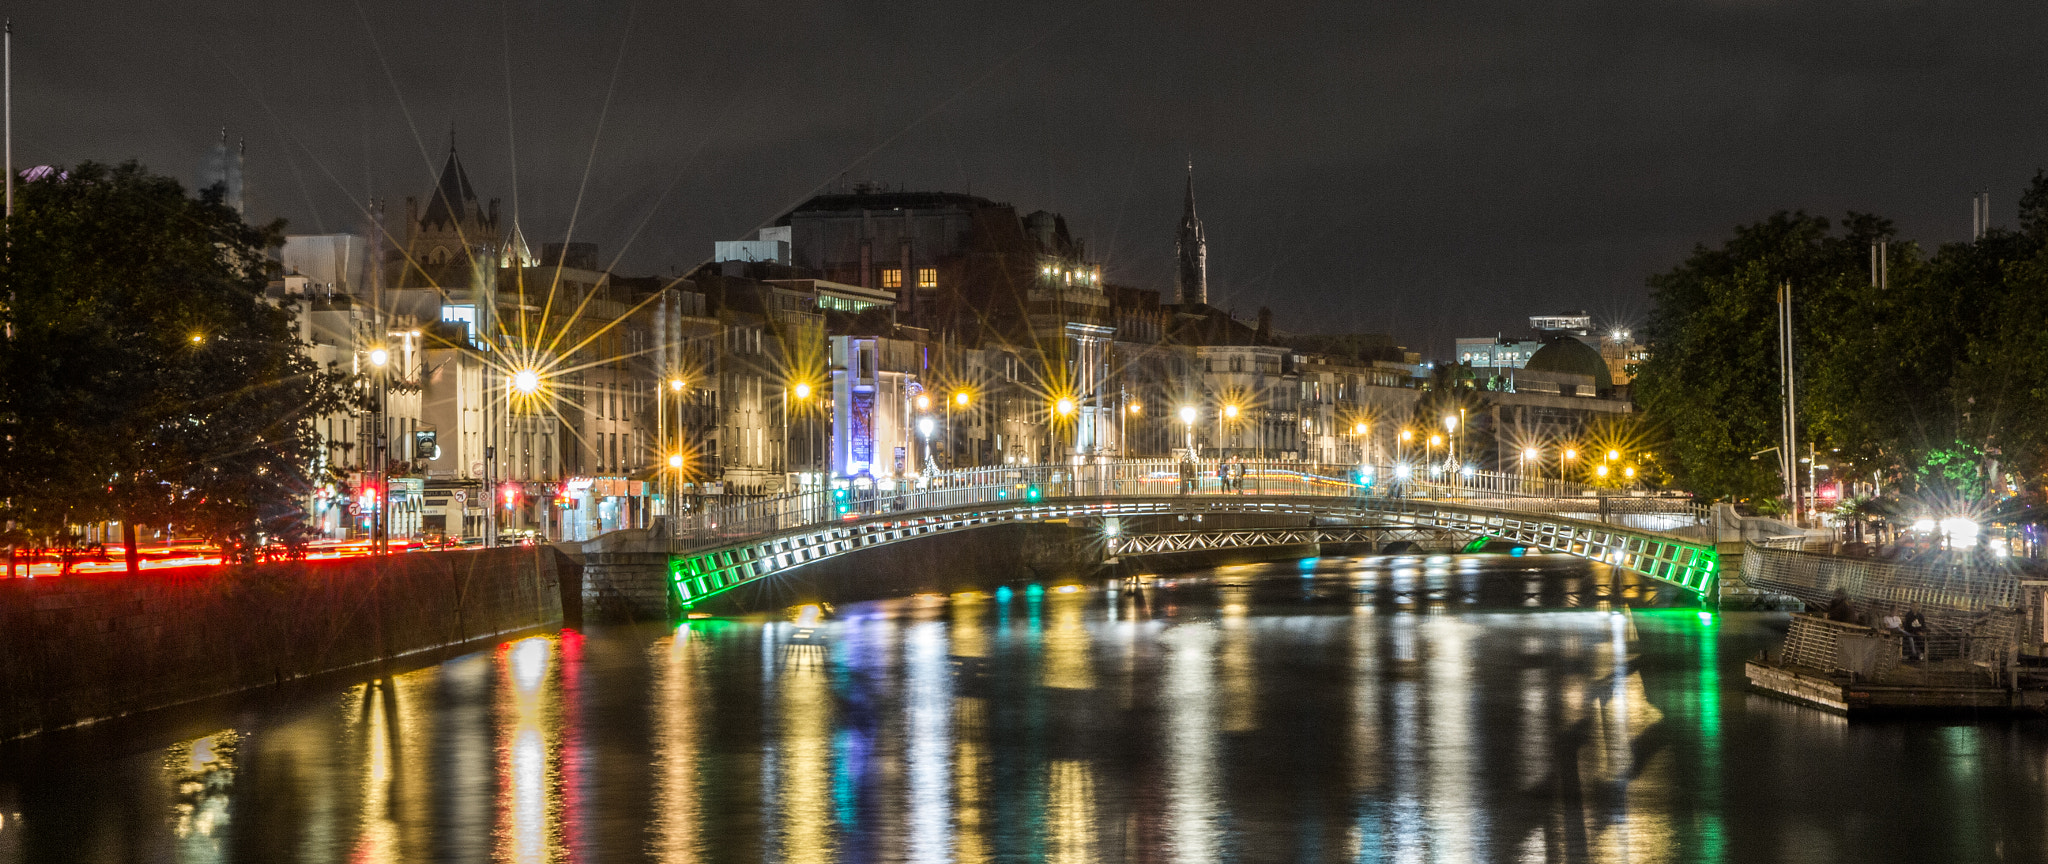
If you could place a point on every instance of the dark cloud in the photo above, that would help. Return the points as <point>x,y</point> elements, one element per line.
<point>1435,169</point>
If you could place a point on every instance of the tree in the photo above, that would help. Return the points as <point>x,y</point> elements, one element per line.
<point>146,376</point>
<point>1712,378</point>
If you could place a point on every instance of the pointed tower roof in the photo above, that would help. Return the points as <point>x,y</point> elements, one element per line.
<point>453,196</point>
<point>1192,251</point>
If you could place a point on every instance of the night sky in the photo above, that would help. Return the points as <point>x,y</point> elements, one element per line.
<point>1431,169</point>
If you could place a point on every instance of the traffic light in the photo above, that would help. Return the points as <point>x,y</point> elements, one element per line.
<point>1031,493</point>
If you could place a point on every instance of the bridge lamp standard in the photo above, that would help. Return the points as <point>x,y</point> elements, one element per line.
<point>1187,421</point>
<point>1359,429</point>
<point>1570,455</point>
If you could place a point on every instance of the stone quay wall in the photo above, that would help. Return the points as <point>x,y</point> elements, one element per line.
<point>82,648</point>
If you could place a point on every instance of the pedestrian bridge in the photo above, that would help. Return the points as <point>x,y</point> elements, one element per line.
<point>718,549</point>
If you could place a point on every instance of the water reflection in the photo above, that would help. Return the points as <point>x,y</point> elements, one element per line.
<point>675,665</point>
<point>202,775</point>
<point>1400,709</point>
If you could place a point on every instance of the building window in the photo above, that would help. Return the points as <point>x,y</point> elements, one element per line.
<point>927,277</point>
<point>892,278</point>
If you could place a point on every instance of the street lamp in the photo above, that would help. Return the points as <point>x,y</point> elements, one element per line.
<point>526,381</point>
<point>1571,454</point>
<point>675,460</point>
<point>1187,421</point>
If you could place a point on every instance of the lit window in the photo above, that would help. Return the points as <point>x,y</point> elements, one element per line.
<point>892,278</point>
<point>927,277</point>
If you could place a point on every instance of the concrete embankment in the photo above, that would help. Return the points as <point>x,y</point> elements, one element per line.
<point>83,648</point>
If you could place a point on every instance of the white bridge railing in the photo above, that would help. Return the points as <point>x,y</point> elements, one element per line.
<point>1167,477</point>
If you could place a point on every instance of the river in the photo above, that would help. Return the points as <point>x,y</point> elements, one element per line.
<point>1451,708</point>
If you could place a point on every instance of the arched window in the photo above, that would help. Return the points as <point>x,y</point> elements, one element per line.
<point>438,256</point>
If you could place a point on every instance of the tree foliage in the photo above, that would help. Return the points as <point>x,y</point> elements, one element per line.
<point>1934,382</point>
<point>145,376</point>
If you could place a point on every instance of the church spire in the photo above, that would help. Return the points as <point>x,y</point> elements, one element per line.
<point>1192,247</point>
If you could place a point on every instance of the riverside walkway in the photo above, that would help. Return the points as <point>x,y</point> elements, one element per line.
<point>718,549</point>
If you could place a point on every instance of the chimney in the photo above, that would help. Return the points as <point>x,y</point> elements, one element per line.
<point>1265,336</point>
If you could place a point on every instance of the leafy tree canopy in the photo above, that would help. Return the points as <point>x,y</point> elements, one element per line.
<point>1939,379</point>
<point>145,376</point>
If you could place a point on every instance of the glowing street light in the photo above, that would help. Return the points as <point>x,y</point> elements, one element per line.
<point>1230,412</point>
<point>1436,440</point>
<point>1614,455</point>
<point>378,356</point>
<point>1602,471</point>
<point>1064,407</point>
<point>1187,414</point>
<point>1450,422</point>
<point>924,402</point>
<point>526,381</point>
<point>924,427</point>
<point>1358,429</point>
<point>675,385</point>
<point>675,460</point>
<point>196,338</point>
<point>1530,454</point>
<point>1629,472</point>
<point>1136,408</point>
<point>802,390</point>
<point>960,398</point>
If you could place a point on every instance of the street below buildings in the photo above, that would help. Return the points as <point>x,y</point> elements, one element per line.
<point>1453,708</point>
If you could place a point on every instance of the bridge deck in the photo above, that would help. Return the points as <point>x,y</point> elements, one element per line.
<point>738,546</point>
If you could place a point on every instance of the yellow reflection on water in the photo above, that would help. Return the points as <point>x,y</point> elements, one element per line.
<point>970,639</point>
<point>1070,812</point>
<point>970,787</point>
<point>1067,662</point>
<point>1190,733</point>
<point>529,817</point>
<point>1240,681</point>
<point>377,834</point>
<point>202,777</point>
<point>806,764</point>
<point>678,691</point>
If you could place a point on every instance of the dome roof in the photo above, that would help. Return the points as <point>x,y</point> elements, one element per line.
<point>1568,354</point>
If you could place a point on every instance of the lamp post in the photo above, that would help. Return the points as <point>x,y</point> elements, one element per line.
<point>672,486</point>
<point>1451,444</point>
<point>1064,409</point>
<point>380,357</point>
<point>1188,415</point>
<point>1532,456</point>
<point>959,402</point>
<point>526,386</point>
<point>1570,454</point>
<point>1224,425</point>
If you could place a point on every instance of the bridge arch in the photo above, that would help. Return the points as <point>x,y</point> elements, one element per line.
<point>742,546</point>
